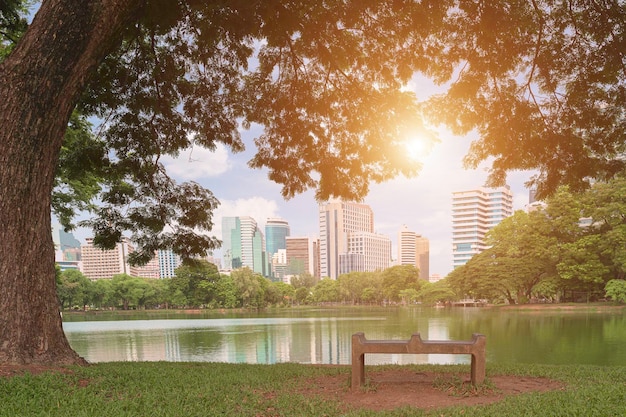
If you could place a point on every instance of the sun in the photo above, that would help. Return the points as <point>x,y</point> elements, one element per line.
<point>418,146</point>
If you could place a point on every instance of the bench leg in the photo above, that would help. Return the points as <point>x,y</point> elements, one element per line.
<point>358,370</point>
<point>478,368</point>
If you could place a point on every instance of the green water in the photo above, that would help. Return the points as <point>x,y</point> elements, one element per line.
<point>323,336</point>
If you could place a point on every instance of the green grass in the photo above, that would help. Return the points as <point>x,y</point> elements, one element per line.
<point>213,389</point>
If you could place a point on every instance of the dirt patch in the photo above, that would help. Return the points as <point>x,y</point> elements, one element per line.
<point>391,389</point>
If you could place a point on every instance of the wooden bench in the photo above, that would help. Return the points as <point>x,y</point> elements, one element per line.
<point>474,347</point>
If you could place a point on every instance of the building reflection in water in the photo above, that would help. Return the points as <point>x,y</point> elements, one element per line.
<point>265,341</point>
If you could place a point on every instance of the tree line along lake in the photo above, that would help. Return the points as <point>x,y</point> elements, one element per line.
<point>553,334</point>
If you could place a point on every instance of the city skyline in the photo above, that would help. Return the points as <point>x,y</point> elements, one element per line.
<point>423,203</point>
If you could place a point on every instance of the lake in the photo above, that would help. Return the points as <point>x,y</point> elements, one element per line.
<point>323,335</point>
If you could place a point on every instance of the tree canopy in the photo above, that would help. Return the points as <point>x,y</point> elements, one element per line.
<point>575,244</point>
<point>326,83</point>
<point>542,83</point>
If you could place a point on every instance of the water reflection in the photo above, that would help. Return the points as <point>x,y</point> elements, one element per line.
<point>324,337</point>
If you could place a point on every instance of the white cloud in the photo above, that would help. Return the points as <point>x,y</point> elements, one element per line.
<point>198,162</point>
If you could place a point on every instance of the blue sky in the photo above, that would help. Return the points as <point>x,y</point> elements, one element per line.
<point>423,203</point>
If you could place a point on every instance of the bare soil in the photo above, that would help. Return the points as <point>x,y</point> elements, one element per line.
<point>389,389</point>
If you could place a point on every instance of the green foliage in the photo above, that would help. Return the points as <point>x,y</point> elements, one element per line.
<point>250,287</point>
<point>437,292</point>
<point>195,283</point>
<point>399,278</point>
<point>615,289</point>
<point>129,291</point>
<point>302,295</point>
<point>326,82</point>
<point>12,24</point>
<point>577,243</point>
<point>543,87</point>
<point>74,289</point>
<point>326,291</point>
<point>305,280</point>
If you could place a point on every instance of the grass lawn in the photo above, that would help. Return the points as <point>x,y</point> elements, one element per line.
<point>216,389</point>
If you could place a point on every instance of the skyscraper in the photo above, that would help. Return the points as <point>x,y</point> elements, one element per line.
<point>243,244</point>
<point>231,242</point>
<point>337,220</point>
<point>168,262</point>
<point>276,232</point>
<point>302,256</point>
<point>474,212</point>
<point>98,263</point>
<point>67,247</point>
<point>367,252</point>
<point>414,249</point>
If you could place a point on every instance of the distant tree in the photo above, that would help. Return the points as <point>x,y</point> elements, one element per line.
<point>615,289</point>
<point>226,294</point>
<point>440,291</point>
<point>285,292</point>
<point>74,289</point>
<point>103,293</point>
<point>372,292</point>
<point>127,290</point>
<point>523,251</point>
<point>196,281</point>
<point>303,295</point>
<point>409,295</point>
<point>305,280</point>
<point>159,294</point>
<point>326,291</point>
<point>249,287</point>
<point>399,278</point>
<point>351,286</point>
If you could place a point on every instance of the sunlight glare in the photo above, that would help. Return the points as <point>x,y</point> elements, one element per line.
<point>418,147</point>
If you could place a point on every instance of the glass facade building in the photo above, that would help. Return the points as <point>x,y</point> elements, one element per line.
<point>276,232</point>
<point>243,244</point>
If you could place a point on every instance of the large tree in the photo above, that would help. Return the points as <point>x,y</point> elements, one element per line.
<point>541,81</point>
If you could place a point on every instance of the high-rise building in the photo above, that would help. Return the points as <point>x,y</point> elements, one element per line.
<point>66,246</point>
<point>414,249</point>
<point>474,213</point>
<point>279,265</point>
<point>231,243</point>
<point>149,270</point>
<point>337,220</point>
<point>374,250</point>
<point>101,264</point>
<point>302,256</point>
<point>276,232</point>
<point>98,263</point>
<point>243,244</point>
<point>168,262</point>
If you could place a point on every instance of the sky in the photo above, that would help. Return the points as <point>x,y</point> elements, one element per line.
<point>422,203</point>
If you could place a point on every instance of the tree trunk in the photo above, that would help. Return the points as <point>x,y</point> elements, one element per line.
<point>40,83</point>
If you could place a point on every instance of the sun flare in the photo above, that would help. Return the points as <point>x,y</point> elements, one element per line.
<point>418,146</point>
